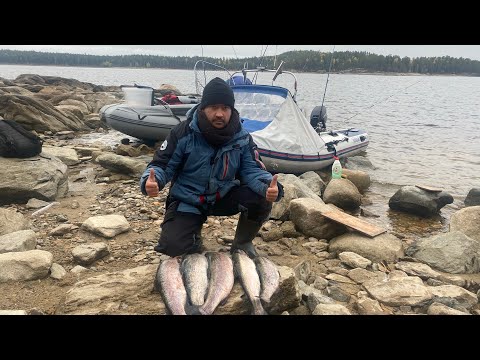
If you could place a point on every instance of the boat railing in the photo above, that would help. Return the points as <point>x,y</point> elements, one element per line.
<point>278,71</point>
<point>205,71</point>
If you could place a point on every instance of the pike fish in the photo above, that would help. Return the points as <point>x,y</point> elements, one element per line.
<point>170,284</point>
<point>269,277</point>
<point>247,273</point>
<point>195,277</point>
<point>221,279</point>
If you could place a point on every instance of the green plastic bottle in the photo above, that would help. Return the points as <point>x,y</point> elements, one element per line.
<point>336,169</point>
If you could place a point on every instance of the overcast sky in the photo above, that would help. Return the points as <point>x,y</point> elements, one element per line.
<point>232,51</point>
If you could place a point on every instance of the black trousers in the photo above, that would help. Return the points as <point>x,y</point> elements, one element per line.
<point>181,230</point>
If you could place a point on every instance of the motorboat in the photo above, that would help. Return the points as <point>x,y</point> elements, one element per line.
<point>146,117</point>
<point>287,141</point>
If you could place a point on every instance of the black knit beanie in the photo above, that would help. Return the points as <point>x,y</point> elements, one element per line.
<point>215,92</point>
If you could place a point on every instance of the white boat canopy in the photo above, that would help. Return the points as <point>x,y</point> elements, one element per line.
<point>275,121</point>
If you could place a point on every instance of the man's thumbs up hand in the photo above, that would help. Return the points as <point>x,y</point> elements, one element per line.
<point>151,186</point>
<point>272,191</point>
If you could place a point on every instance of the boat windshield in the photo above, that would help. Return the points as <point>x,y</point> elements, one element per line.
<point>258,105</point>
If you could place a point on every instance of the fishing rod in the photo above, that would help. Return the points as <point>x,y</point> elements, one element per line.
<point>328,74</point>
<point>254,80</point>
<point>235,52</point>
<point>204,73</point>
<point>403,89</point>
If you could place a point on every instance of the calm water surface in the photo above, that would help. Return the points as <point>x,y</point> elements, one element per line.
<point>423,129</point>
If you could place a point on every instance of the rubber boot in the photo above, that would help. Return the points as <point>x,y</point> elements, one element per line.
<point>197,246</point>
<point>246,232</point>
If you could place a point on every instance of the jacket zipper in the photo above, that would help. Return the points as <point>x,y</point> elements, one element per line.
<point>225,166</point>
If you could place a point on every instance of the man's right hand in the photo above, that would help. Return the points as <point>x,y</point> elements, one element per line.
<point>151,186</point>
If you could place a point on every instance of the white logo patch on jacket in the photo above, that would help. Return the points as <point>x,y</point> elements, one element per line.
<point>164,145</point>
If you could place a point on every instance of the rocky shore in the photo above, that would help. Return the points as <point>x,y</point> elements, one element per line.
<point>91,252</point>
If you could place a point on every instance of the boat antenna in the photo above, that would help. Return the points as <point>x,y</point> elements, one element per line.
<point>328,74</point>
<point>275,59</point>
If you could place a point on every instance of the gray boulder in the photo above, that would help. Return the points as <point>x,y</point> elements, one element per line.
<point>382,247</point>
<point>452,252</point>
<point>122,164</point>
<point>359,178</point>
<point>359,163</point>
<point>22,240</point>
<point>467,220</point>
<point>25,265</point>
<point>313,181</point>
<point>36,177</point>
<point>412,199</point>
<point>37,114</point>
<point>473,197</point>
<point>307,216</point>
<point>11,221</point>
<point>342,193</point>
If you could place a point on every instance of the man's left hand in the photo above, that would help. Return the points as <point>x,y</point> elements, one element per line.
<point>272,191</point>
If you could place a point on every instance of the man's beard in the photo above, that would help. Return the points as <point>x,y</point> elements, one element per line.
<point>215,136</point>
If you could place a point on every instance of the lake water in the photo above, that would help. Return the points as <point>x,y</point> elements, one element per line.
<point>423,129</point>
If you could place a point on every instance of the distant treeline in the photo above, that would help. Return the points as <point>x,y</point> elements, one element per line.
<point>298,61</point>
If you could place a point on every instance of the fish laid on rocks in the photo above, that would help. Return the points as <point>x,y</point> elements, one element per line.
<point>221,279</point>
<point>269,277</point>
<point>194,269</point>
<point>169,283</point>
<point>246,271</point>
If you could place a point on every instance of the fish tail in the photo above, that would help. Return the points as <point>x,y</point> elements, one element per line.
<point>192,309</point>
<point>265,300</point>
<point>258,308</point>
<point>205,310</point>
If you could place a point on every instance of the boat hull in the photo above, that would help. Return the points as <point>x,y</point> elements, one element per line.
<point>151,123</point>
<point>352,143</point>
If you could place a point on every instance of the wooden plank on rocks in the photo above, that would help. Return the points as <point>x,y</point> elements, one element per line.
<point>353,222</point>
<point>428,188</point>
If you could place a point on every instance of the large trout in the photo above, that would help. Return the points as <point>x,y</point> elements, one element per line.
<point>246,271</point>
<point>170,284</point>
<point>221,279</point>
<point>195,277</point>
<point>269,277</point>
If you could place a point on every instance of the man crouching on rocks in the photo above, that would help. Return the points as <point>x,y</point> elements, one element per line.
<point>215,169</point>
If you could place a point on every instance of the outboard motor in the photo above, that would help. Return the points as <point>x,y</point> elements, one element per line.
<point>318,118</point>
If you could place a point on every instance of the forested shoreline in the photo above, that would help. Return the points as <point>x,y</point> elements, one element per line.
<point>297,61</point>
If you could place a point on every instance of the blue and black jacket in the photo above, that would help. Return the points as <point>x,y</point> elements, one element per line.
<point>202,173</point>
